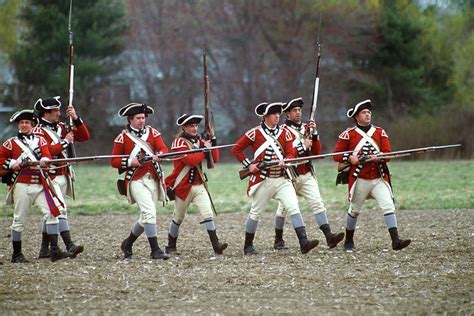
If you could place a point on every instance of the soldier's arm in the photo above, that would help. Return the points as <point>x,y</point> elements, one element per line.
<point>119,163</point>
<point>342,145</point>
<point>81,134</point>
<point>239,147</point>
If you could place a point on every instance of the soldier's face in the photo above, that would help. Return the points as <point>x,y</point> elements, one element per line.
<point>191,129</point>
<point>137,121</point>
<point>294,114</point>
<point>364,117</point>
<point>52,116</point>
<point>272,119</point>
<point>25,126</point>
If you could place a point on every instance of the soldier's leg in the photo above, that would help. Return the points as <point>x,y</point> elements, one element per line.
<point>203,203</point>
<point>285,194</point>
<point>383,196</point>
<point>145,192</point>
<point>309,189</point>
<point>60,186</point>
<point>180,210</point>
<point>280,217</point>
<point>23,202</point>
<point>361,192</point>
<point>44,249</point>
<point>258,202</point>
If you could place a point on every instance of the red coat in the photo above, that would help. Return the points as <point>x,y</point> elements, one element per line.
<point>255,139</point>
<point>191,160</point>
<point>348,140</point>
<point>297,143</point>
<point>123,145</point>
<point>81,134</point>
<point>10,150</point>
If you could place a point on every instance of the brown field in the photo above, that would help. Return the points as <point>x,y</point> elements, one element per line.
<point>433,275</point>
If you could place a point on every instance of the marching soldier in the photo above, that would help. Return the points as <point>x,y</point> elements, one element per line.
<point>60,137</point>
<point>188,182</point>
<point>30,186</point>
<point>270,142</point>
<point>305,182</point>
<point>143,182</point>
<point>368,176</point>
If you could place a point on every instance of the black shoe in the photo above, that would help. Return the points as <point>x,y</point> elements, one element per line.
<point>126,249</point>
<point>75,250</point>
<point>308,246</point>
<point>19,258</point>
<point>59,254</point>
<point>44,253</point>
<point>250,250</point>
<point>219,249</point>
<point>400,244</point>
<point>159,254</point>
<point>334,239</point>
<point>280,245</point>
<point>349,247</point>
<point>173,251</point>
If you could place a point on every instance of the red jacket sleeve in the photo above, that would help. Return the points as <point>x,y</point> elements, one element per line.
<point>239,147</point>
<point>44,148</point>
<point>191,160</point>
<point>159,145</point>
<point>316,148</point>
<point>81,134</point>
<point>118,150</point>
<point>342,145</point>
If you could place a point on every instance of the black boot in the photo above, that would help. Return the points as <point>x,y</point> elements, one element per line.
<point>349,242</point>
<point>397,243</point>
<point>70,246</point>
<point>216,245</point>
<point>331,239</point>
<point>305,244</point>
<point>44,250</point>
<point>171,248</point>
<point>127,244</point>
<point>249,249</point>
<point>56,252</point>
<point>279,242</point>
<point>156,252</point>
<point>17,256</point>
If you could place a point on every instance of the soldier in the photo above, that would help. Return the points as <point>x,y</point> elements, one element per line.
<point>60,138</point>
<point>30,186</point>
<point>270,142</point>
<point>143,182</point>
<point>305,182</point>
<point>188,182</point>
<point>368,176</point>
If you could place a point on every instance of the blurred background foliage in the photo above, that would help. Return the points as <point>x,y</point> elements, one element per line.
<point>412,58</point>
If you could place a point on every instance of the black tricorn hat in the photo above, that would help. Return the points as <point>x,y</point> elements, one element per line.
<point>268,108</point>
<point>23,115</point>
<point>42,105</point>
<point>186,119</point>
<point>135,108</point>
<point>298,102</point>
<point>366,104</point>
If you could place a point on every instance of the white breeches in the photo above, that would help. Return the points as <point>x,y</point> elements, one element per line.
<point>198,197</point>
<point>145,192</point>
<point>376,188</point>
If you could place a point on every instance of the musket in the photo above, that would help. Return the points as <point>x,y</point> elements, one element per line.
<point>314,101</point>
<point>208,134</point>
<point>183,153</point>
<point>262,165</point>
<point>400,153</point>
<point>69,122</point>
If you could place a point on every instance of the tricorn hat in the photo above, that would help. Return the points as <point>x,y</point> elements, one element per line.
<point>135,108</point>
<point>23,115</point>
<point>42,105</point>
<point>359,107</point>
<point>298,102</point>
<point>268,108</point>
<point>186,119</point>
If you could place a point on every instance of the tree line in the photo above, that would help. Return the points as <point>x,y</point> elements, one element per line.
<point>413,60</point>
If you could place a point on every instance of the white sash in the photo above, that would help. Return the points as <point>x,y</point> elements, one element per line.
<point>366,137</point>
<point>269,142</point>
<point>26,150</point>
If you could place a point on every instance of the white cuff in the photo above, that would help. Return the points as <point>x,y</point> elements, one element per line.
<point>12,162</point>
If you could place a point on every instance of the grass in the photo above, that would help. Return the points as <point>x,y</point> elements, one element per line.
<point>416,184</point>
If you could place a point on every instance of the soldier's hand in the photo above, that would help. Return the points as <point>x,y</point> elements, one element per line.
<point>207,143</point>
<point>156,158</point>
<point>281,164</point>
<point>43,163</point>
<point>253,168</point>
<point>312,125</point>
<point>308,142</point>
<point>135,162</point>
<point>374,158</point>
<point>16,166</point>
<point>69,137</point>
<point>70,111</point>
<point>354,160</point>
